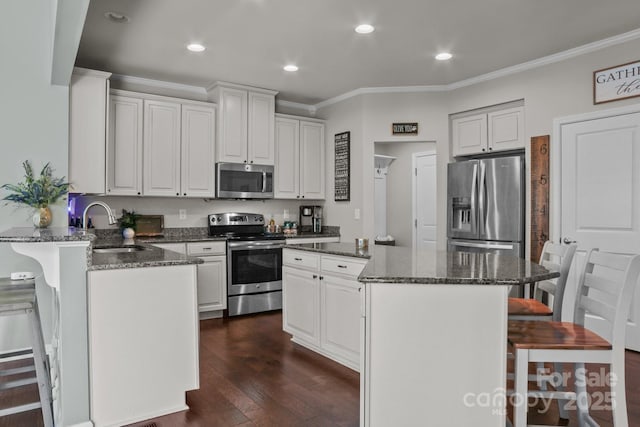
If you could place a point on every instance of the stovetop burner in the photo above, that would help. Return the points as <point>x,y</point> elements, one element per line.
<point>240,226</point>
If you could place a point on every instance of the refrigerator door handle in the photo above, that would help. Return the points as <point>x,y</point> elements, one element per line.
<point>474,192</point>
<point>482,198</point>
<point>482,245</point>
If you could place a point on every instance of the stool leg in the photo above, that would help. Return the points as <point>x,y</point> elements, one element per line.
<point>41,365</point>
<point>618,394</point>
<point>562,403</point>
<point>520,385</point>
<point>582,396</point>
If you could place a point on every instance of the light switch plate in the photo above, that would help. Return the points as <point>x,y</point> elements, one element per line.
<point>356,213</point>
<point>182,213</point>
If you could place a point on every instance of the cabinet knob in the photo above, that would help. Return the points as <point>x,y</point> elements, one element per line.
<point>298,259</point>
<point>315,276</point>
<point>138,193</point>
<point>251,162</point>
<point>321,277</point>
<point>483,149</point>
<point>185,194</point>
<point>490,148</point>
<point>245,161</point>
<point>177,194</point>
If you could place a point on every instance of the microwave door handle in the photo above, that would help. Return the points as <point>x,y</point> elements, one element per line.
<point>264,181</point>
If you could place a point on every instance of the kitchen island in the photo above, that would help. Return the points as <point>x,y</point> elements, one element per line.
<point>125,343</point>
<point>433,329</point>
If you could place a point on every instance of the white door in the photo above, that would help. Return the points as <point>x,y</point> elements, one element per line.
<point>424,197</point>
<point>212,283</point>
<point>600,201</point>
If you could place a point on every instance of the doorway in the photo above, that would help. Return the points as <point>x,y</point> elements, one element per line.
<point>400,189</point>
<point>424,201</point>
<point>596,165</point>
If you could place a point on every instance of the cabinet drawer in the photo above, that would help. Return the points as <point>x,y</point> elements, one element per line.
<point>301,259</point>
<point>207,248</point>
<point>341,266</point>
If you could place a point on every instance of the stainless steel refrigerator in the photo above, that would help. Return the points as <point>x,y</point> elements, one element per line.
<point>485,211</point>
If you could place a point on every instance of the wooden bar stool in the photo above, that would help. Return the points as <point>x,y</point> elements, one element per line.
<point>553,257</point>
<point>614,278</point>
<point>19,297</point>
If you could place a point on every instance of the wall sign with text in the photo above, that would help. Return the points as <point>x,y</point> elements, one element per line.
<point>404,129</point>
<point>342,167</point>
<point>616,83</point>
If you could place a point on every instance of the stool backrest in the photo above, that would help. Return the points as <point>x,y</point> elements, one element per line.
<point>606,289</point>
<point>555,257</point>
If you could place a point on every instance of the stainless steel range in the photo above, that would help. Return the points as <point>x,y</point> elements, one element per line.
<point>254,262</point>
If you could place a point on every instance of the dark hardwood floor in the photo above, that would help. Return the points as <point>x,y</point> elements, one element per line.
<point>251,374</point>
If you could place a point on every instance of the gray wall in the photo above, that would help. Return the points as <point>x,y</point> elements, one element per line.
<point>34,127</point>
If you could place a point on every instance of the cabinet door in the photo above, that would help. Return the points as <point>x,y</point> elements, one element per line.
<point>260,129</point>
<point>197,144</point>
<point>161,148</point>
<point>506,129</point>
<point>232,141</point>
<point>287,167</point>
<point>311,160</point>
<point>340,314</point>
<point>212,283</point>
<point>469,135</point>
<point>124,148</point>
<point>88,103</point>
<point>300,304</point>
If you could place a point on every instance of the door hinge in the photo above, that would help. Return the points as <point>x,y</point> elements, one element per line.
<point>415,223</point>
<point>415,171</point>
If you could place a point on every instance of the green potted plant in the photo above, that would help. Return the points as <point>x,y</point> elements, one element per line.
<point>38,193</point>
<point>127,223</point>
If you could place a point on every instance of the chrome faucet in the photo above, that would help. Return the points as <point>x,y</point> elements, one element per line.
<point>112,217</point>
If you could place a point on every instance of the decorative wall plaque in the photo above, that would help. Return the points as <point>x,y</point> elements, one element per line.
<point>342,167</point>
<point>616,83</point>
<point>404,128</point>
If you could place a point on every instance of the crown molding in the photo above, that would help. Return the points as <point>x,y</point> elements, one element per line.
<point>196,90</point>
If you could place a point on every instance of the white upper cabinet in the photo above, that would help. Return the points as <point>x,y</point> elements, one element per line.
<point>88,107</point>
<point>469,135</point>
<point>311,160</point>
<point>198,166</point>
<point>124,148</point>
<point>176,155</point>
<point>506,129</point>
<point>161,148</point>
<point>246,124</point>
<point>489,132</point>
<point>300,153</point>
<point>287,171</point>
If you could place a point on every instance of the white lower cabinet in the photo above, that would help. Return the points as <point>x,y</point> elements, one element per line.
<point>300,304</point>
<point>212,274</point>
<point>321,303</point>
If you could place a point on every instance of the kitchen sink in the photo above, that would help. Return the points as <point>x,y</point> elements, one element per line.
<point>119,249</point>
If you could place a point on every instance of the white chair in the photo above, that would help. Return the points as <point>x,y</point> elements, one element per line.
<point>553,257</point>
<point>18,298</point>
<point>613,278</point>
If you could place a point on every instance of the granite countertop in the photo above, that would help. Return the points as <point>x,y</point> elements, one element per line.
<point>51,234</point>
<point>149,257</point>
<point>340,249</point>
<point>392,264</point>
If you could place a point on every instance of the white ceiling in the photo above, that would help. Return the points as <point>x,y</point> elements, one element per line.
<point>249,41</point>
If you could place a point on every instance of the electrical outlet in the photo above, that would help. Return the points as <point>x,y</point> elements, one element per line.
<point>285,214</point>
<point>356,213</point>
<point>182,213</point>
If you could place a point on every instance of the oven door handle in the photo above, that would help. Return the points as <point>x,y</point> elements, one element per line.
<point>256,245</point>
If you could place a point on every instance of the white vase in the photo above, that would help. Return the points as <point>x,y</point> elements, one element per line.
<point>128,233</point>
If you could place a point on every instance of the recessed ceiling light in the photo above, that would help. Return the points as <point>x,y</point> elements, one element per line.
<point>364,29</point>
<point>195,47</point>
<point>443,56</point>
<point>291,68</point>
<point>116,17</point>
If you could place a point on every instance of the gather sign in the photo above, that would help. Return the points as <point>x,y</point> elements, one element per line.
<point>615,83</point>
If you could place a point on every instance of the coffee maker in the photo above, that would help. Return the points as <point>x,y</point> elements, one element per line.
<point>311,218</point>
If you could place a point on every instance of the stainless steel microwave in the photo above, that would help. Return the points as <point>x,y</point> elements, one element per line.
<point>240,181</point>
